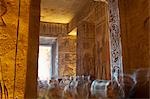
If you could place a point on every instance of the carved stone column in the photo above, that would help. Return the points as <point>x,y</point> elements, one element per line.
<point>115,41</point>
<point>86,49</point>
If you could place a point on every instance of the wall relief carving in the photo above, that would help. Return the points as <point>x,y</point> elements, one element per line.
<point>115,39</point>
<point>3,10</point>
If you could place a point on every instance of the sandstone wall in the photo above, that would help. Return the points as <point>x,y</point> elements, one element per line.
<point>67,55</point>
<point>135,33</point>
<point>14,76</point>
<point>14,58</point>
<point>66,47</point>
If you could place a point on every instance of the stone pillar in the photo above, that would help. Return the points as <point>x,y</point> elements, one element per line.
<point>19,47</point>
<point>33,46</point>
<point>102,59</point>
<point>115,41</point>
<point>97,40</point>
<point>86,49</point>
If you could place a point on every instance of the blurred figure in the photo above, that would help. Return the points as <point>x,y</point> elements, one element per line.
<point>99,88</point>
<point>83,87</point>
<point>128,84</point>
<point>42,89</point>
<point>142,86</point>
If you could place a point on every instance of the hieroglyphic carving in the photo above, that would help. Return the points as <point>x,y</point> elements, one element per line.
<point>3,10</point>
<point>52,29</point>
<point>115,41</point>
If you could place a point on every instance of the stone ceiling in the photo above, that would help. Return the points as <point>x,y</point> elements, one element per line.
<point>60,11</point>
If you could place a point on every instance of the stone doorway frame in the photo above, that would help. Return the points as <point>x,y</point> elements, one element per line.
<point>115,46</point>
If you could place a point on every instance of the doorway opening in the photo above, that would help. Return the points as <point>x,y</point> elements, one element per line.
<point>47,66</point>
<point>44,61</point>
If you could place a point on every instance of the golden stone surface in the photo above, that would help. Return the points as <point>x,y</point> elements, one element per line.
<point>8,38</point>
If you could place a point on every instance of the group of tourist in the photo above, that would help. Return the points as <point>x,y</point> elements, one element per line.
<point>135,85</point>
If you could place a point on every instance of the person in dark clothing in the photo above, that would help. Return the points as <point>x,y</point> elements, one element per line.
<point>142,87</point>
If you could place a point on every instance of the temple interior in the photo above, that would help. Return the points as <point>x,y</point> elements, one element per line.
<point>74,49</point>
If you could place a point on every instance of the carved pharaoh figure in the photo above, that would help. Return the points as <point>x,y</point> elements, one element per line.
<point>3,10</point>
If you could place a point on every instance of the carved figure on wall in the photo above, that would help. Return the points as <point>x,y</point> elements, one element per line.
<point>3,10</point>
